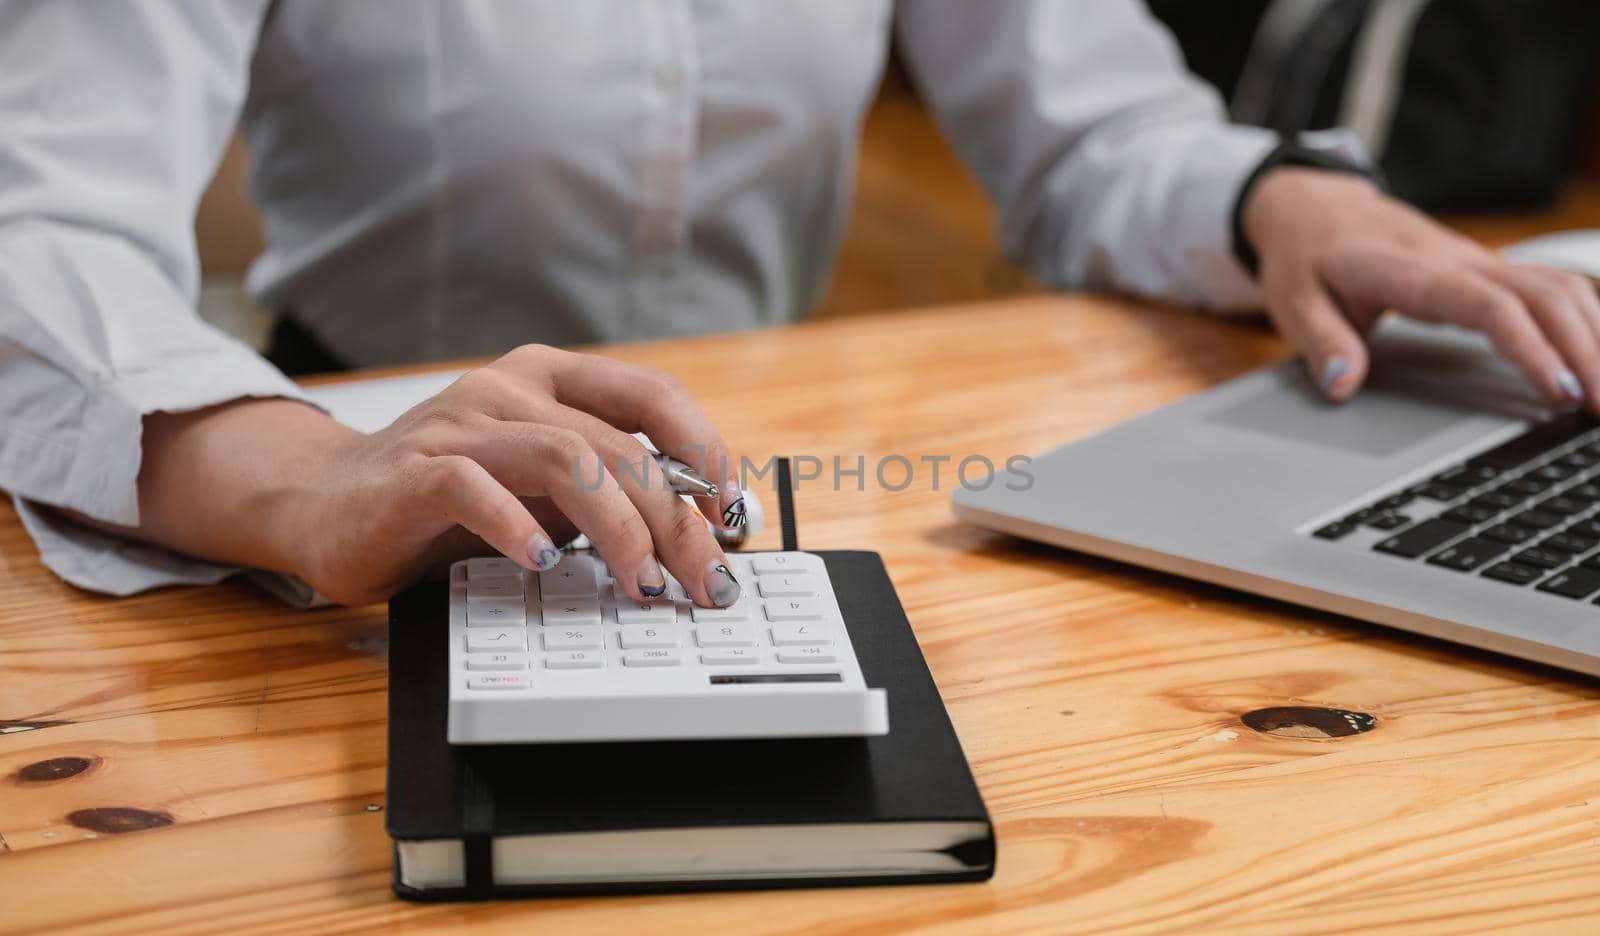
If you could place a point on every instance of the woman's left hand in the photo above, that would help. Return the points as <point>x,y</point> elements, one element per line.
<point>1336,254</point>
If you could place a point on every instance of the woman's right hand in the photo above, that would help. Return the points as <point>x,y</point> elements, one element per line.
<point>358,517</point>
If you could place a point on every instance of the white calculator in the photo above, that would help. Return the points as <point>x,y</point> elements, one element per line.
<point>564,656</point>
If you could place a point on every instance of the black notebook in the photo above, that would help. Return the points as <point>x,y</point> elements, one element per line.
<point>473,822</point>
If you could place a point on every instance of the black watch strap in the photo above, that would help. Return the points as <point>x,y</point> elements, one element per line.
<point>1288,154</point>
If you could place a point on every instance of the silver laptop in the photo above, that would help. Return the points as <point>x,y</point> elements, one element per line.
<point>1444,499</point>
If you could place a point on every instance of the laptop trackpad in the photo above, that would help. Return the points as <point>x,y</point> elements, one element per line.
<point>1378,422</point>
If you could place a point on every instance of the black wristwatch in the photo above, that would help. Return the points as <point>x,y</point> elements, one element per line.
<point>1302,152</point>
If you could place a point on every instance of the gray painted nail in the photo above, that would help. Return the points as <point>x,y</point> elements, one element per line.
<point>721,585</point>
<point>1568,381</point>
<point>1335,368</point>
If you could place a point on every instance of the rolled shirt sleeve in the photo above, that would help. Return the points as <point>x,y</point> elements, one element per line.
<point>1112,166</point>
<point>112,119</point>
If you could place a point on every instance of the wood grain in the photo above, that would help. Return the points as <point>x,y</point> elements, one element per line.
<point>1100,705</point>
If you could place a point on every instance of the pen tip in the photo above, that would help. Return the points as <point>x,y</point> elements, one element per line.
<point>713,490</point>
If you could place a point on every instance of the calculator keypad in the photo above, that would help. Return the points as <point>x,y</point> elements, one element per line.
<point>574,617</point>
<point>566,655</point>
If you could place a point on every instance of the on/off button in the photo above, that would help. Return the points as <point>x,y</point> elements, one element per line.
<point>498,681</point>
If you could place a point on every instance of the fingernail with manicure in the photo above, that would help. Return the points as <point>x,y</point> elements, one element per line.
<point>1570,387</point>
<point>721,585</point>
<point>1335,368</point>
<point>733,515</point>
<point>544,553</point>
<point>651,581</point>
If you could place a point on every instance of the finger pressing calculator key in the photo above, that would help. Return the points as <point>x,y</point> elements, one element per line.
<point>564,655</point>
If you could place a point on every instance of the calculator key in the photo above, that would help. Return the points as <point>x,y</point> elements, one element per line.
<point>725,635</point>
<point>739,611</point>
<point>573,576</point>
<point>491,567</point>
<point>559,612</point>
<point>806,655</point>
<point>501,613</point>
<point>787,586</point>
<point>730,656</point>
<point>495,588</point>
<point>498,681</point>
<point>574,638</point>
<point>660,657</point>
<point>1572,583</point>
<point>794,609</point>
<point>494,640</point>
<point>772,565</point>
<point>496,661</point>
<point>796,635</point>
<point>575,659</point>
<point>635,636</point>
<point>647,612</point>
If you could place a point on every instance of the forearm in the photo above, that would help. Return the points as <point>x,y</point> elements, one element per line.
<point>233,483</point>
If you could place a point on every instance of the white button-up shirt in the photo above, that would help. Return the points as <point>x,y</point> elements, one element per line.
<point>444,179</point>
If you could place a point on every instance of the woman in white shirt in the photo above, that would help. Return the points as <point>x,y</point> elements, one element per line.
<point>450,179</point>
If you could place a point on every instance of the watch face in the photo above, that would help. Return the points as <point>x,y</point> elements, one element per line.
<point>1336,145</point>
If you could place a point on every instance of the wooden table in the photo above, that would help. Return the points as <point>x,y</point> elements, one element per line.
<point>205,760</point>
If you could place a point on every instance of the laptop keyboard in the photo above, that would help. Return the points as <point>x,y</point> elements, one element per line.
<point>1525,513</point>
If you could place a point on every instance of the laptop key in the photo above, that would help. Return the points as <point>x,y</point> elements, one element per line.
<point>1564,506</point>
<point>1526,485</point>
<point>1515,573</point>
<point>1469,514</point>
<point>1572,583</point>
<point>1593,562</point>
<point>1588,492</point>
<point>1509,534</point>
<point>1396,501</point>
<point>1553,473</point>
<point>1467,554</point>
<point>1534,442</point>
<point>1567,543</point>
<point>1469,475</point>
<point>1542,558</point>
<point>1338,529</point>
<point>1496,501</point>
<point>1586,528</point>
<point>1537,519</point>
<point>1511,493</point>
<point>1387,520</point>
<point>1433,490</point>
<point>1422,538</point>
